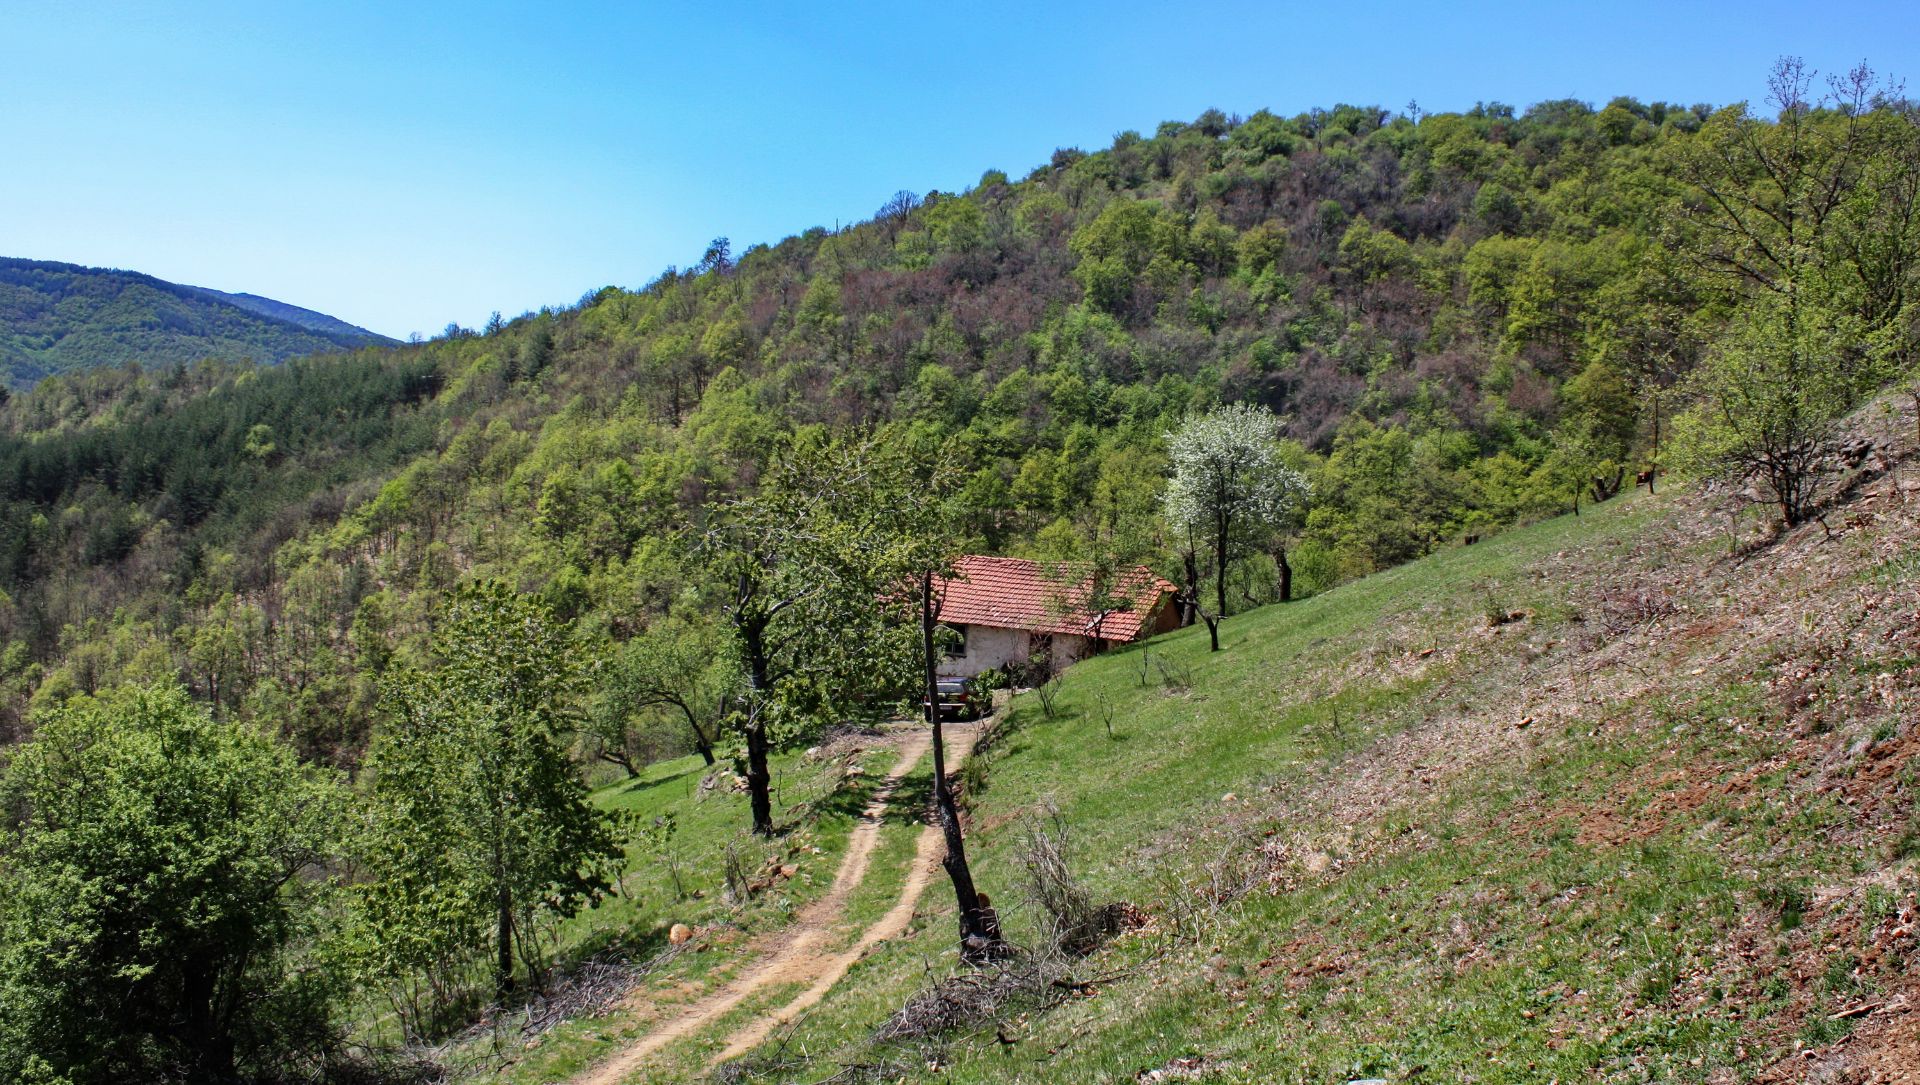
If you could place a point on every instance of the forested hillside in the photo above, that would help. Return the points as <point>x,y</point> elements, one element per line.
<point>1464,319</point>
<point>62,318</point>
<point>1461,321</point>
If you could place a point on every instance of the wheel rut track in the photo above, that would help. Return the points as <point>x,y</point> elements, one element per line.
<point>798,953</point>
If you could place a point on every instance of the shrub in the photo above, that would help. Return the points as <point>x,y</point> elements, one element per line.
<point>157,897</point>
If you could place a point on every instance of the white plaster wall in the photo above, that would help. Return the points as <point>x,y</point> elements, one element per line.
<point>987,647</point>
<point>1069,648</point>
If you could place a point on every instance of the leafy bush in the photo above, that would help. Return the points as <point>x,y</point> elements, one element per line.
<point>159,897</point>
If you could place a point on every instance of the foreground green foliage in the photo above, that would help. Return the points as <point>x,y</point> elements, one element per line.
<point>479,831</point>
<point>160,897</point>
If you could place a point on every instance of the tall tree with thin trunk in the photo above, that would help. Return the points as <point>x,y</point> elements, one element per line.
<point>479,827</point>
<point>919,551</point>
<point>1806,227</point>
<point>978,937</point>
<point>798,581</point>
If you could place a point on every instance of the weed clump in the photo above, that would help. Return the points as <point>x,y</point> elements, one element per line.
<point>1074,924</point>
<point>1028,980</point>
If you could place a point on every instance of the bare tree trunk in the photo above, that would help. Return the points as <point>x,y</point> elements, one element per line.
<point>1286,575</point>
<point>1190,599</point>
<point>759,776</point>
<point>759,677</point>
<point>1221,526</point>
<point>1604,488</point>
<point>206,1031</point>
<point>1653,470</point>
<point>701,743</point>
<point>977,939</point>
<point>503,966</point>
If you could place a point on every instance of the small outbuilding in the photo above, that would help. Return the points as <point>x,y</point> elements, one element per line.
<point>1010,611</point>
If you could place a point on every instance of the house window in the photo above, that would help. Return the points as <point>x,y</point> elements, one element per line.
<point>953,640</point>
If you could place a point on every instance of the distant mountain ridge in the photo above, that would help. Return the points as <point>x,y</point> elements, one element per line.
<point>292,314</point>
<point>59,318</point>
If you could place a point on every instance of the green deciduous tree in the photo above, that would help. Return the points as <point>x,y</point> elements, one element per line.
<point>1595,436</point>
<point>479,828</point>
<point>678,665</point>
<point>1130,245</point>
<point>159,893</point>
<point>1823,197</point>
<point>1770,398</point>
<point>1792,220</point>
<point>795,567</point>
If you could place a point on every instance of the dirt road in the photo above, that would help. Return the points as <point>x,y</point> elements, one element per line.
<point>799,953</point>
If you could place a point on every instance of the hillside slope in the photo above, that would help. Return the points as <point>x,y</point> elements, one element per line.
<point>294,314</point>
<point>1456,316</point>
<point>60,318</point>
<point>1657,824</point>
<point>1348,268</point>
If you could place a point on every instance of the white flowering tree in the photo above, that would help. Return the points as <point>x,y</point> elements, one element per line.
<point>1229,490</point>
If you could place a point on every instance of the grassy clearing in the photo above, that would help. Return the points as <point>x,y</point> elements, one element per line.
<point>1292,687</point>
<point>1381,835</point>
<point>815,797</point>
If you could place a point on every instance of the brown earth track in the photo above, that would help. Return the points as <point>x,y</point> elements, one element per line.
<point>800,952</point>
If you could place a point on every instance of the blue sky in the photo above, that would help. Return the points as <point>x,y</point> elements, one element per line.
<point>404,165</point>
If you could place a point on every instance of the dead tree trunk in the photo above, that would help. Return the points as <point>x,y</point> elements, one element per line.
<point>978,939</point>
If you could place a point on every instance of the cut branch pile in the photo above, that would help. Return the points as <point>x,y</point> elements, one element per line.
<point>974,1000</point>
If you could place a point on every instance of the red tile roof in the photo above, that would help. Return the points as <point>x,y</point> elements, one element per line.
<point>1013,593</point>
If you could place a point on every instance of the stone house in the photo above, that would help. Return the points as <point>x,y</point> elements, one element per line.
<point>1010,610</point>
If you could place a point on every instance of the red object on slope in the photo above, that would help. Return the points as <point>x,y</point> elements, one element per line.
<point>1049,597</point>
